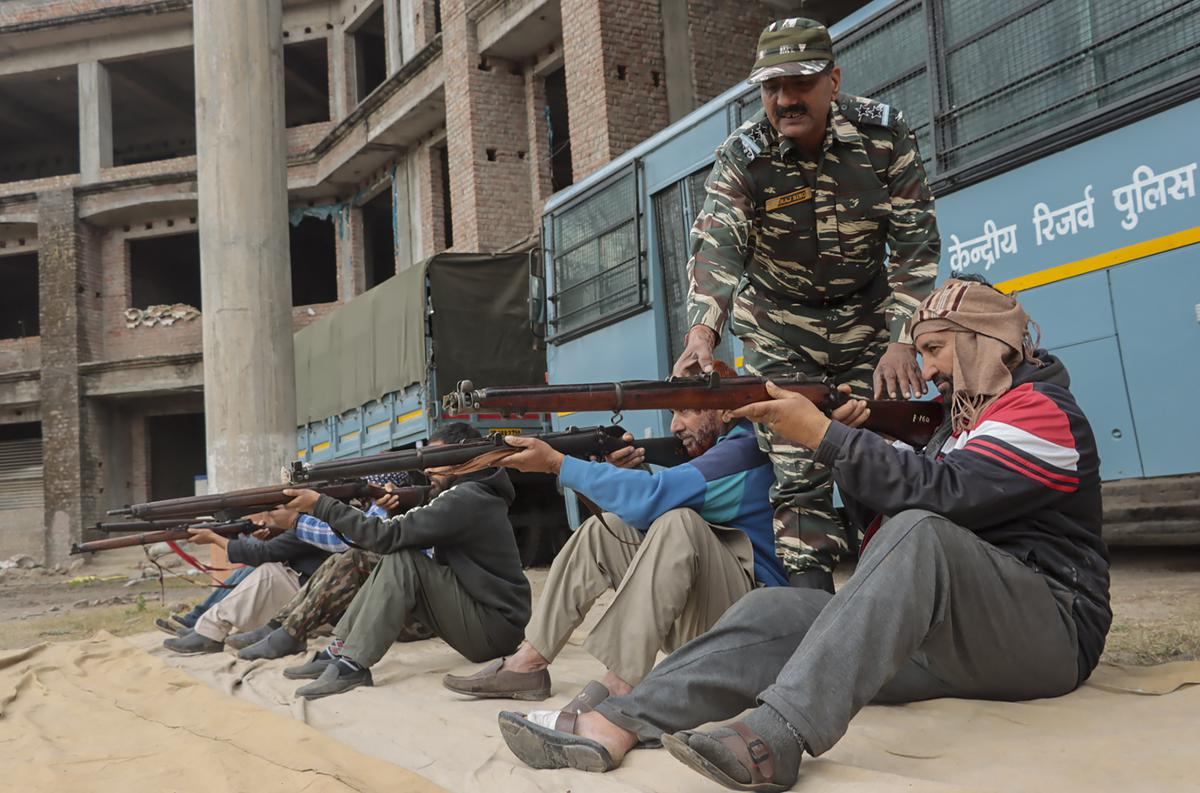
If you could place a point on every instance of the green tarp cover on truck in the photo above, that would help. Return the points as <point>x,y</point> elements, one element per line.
<point>375,344</point>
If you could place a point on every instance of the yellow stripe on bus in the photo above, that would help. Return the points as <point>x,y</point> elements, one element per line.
<point>1103,261</point>
<point>568,413</point>
<point>377,425</point>
<point>302,453</point>
<point>349,436</point>
<point>320,447</point>
<point>408,416</point>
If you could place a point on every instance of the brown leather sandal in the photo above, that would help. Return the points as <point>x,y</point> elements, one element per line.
<point>747,746</point>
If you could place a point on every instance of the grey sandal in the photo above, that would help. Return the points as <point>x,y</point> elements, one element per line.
<point>542,747</point>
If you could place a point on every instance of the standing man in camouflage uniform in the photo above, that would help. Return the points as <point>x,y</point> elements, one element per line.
<point>789,250</point>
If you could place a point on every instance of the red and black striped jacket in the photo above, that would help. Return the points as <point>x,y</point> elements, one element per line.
<point>1026,479</point>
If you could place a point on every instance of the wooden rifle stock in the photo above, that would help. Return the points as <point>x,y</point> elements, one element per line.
<point>225,529</point>
<point>911,422</point>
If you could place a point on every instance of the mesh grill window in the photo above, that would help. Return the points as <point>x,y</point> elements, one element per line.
<point>888,63</point>
<point>1010,76</point>
<point>675,210</point>
<point>598,262</point>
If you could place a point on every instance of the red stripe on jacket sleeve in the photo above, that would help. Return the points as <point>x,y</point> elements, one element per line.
<point>1034,412</point>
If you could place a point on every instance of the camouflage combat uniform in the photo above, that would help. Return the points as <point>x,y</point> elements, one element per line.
<point>326,596</point>
<point>792,253</point>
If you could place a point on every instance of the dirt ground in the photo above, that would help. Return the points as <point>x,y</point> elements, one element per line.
<point>1156,602</point>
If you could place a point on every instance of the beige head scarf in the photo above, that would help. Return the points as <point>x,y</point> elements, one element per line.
<point>993,338</point>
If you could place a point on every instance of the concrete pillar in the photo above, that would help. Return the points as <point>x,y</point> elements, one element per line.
<point>95,121</point>
<point>392,31</point>
<point>410,20</point>
<point>341,66</point>
<point>677,56</point>
<point>249,369</point>
<point>539,141</point>
<point>61,261</point>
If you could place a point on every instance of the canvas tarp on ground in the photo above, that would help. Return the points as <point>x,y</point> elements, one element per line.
<point>375,344</point>
<point>1126,730</point>
<point>102,716</point>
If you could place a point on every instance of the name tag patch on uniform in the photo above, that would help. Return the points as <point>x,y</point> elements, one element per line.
<point>799,196</point>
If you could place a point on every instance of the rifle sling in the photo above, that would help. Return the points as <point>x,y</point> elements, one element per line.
<point>598,514</point>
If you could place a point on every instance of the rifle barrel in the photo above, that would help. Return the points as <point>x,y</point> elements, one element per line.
<point>227,529</point>
<point>909,421</point>
<point>589,441</point>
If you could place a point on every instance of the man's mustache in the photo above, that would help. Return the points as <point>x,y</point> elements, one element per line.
<point>784,110</point>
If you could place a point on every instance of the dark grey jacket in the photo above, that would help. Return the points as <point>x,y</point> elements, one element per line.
<point>286,548</point>
<point>468,528</point>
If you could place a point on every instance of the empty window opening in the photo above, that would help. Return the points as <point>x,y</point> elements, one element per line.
<point>39,126</point>
<point>177,454</point>
<point>437,16</point>
<point>379,239</point>
<point>313,246</point>
<point>306,83</point>
<point>19,297</point>
<point>153,107</point>
<point>24,431</point>
<point>165,270</point>
<point>370,53</point>
<point>561,173</point>
<point>443,155</point>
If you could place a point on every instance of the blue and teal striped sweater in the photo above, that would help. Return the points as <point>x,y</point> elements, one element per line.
<point>728,485</point>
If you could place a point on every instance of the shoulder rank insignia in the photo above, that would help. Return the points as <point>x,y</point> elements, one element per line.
<point>749,146</point>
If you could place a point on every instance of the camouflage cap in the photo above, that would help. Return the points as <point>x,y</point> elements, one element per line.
<point>795,46</point>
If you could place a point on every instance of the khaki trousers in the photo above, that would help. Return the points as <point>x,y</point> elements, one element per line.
<point>671,587</point>
<point>252,603</point>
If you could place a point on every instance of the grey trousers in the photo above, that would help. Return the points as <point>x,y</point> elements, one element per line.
<point>931,611</point>
<point>409,583</point>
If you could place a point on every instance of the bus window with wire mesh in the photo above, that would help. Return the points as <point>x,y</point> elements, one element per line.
<point>888,63</point>
<point>1014,74</point>
<point>598,270</point>
<point>675,211</point>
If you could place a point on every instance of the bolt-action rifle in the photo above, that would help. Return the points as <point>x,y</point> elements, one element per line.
<point>911,422</point>
<point>230,528</point>
<point>342,479</point>
<point>238,503</point>
<point>480,453</point>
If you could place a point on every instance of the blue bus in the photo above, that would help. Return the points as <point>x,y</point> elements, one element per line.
<point>1060,140</point>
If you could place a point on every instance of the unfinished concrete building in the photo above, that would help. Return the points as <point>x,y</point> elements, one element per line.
<point>413,126</point>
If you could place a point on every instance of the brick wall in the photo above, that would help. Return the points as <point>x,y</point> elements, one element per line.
<point>723,39</point>
<point>616,86</point>
<point>487,138</point>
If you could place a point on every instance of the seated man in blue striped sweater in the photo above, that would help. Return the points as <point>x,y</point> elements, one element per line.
<point>679,546</point>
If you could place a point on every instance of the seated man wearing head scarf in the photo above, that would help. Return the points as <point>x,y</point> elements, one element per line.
<point>983,574</point>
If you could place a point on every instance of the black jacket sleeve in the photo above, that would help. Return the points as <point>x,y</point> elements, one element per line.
<point>440,522</point>
<point>967,488</point>
<point>282,548</point>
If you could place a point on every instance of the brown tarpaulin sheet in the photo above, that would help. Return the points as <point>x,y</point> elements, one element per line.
<point>101,715</point>
<point>1126,730</point>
